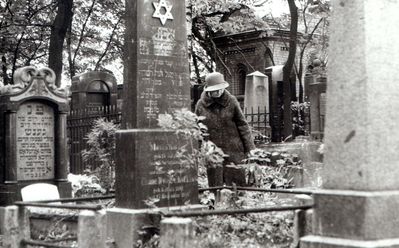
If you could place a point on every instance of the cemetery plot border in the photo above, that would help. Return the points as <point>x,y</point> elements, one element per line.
<point>95,219</point>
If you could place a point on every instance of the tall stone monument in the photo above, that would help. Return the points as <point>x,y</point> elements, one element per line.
<point>359,203</point>
<point>156,81</point>
<point>32,134</point>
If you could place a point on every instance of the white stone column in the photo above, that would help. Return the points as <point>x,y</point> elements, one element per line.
<point>359,203</point>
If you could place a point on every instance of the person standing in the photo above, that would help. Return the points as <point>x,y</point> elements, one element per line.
<point>227,126</point>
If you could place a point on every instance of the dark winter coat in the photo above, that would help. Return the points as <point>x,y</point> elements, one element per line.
<point>226,124</point>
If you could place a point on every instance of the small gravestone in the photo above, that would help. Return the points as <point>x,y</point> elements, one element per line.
<point>40,192</point>
<point>32,134</point>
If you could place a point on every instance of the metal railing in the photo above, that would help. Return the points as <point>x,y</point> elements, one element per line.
<point>79,124</point>
<point>57,203</point>
<point>248,210</point>
<point>283,191</point>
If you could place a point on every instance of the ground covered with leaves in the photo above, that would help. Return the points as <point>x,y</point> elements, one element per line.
<point>253,230</point>
<point>271,229</point>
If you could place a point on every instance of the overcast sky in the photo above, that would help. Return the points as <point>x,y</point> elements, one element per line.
<point>275,7</point>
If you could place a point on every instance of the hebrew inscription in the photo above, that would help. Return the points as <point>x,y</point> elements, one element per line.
<point>35,141</point>
<point>161,174</point>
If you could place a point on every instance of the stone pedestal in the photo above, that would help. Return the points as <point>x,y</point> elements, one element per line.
<point>145,160</point>
<point>359,204</point>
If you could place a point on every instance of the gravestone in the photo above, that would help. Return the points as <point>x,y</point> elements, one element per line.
<point>358,205</point>
<point>317,99</point>
<point>40,192</point>
<point>275,76</point>
<point>32,134</point>
<point>93,89</point>
<point>256,100</point>
<point>156,81</point>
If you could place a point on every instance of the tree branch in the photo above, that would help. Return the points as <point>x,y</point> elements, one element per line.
<point>81,37</point>
<point>108,44</point>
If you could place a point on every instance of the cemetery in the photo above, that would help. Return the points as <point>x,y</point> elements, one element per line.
<point>96,163</point>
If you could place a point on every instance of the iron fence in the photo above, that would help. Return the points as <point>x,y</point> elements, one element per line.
<point>258,119</point>
<point>79,124</point>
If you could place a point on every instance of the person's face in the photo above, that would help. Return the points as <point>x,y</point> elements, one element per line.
<point>216,93</point>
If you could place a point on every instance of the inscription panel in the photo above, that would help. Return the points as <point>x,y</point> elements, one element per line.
<point>35,141</point>
<point>163,176</point>
<point>159,175</point>
<point>162,89</point>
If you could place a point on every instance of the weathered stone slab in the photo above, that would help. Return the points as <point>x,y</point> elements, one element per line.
<point>361,215</point>
<point>149,169</point>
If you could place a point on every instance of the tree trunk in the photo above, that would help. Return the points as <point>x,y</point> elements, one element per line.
<point>59,29</point>
<point>6,79</point>
<point>288,68</point>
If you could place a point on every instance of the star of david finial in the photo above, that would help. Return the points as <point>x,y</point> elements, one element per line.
<point>162,11</point>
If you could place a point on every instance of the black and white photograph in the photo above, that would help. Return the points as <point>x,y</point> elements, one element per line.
<point>199,124</point>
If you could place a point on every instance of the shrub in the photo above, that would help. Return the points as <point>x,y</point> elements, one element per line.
<point>270,169</point>
<point>100,156</point>
<point>204,155</point>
